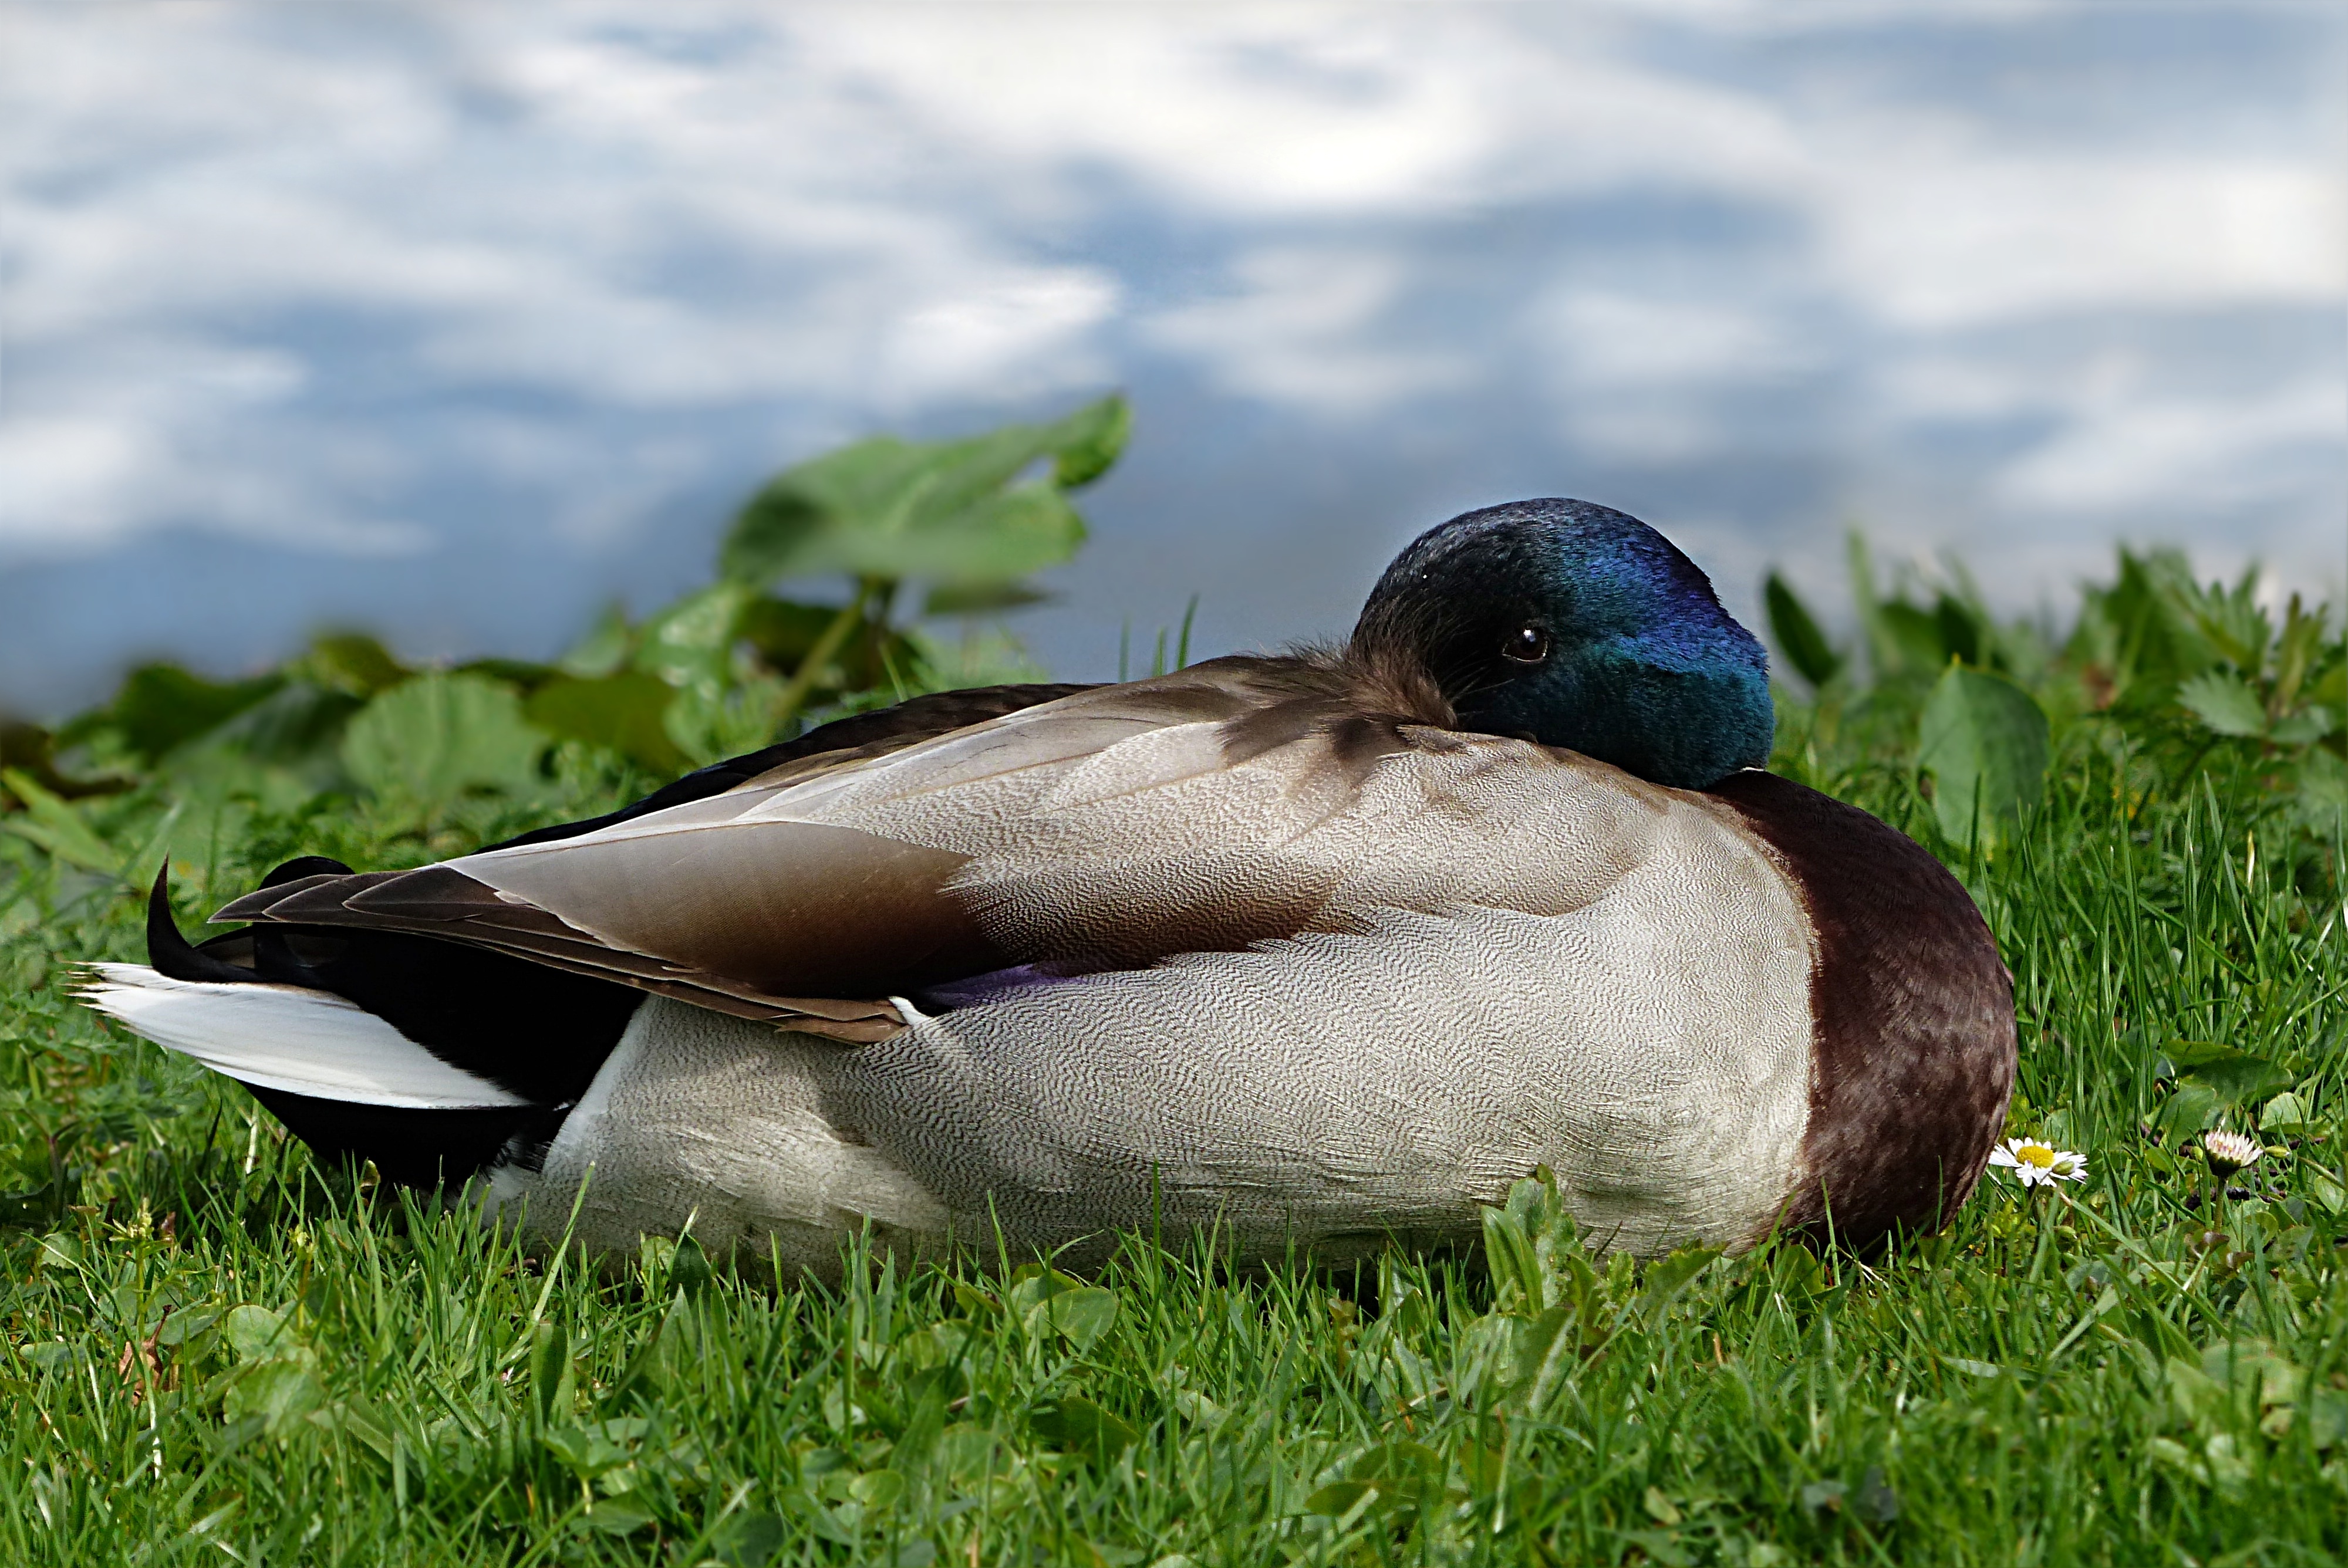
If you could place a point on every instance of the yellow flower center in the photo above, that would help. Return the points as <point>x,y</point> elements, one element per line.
<point>2037,1155</point>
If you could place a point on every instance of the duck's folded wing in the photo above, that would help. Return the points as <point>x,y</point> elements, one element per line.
<point>1107,829</point>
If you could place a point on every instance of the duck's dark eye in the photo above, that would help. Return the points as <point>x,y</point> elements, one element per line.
<point>1526,645</point>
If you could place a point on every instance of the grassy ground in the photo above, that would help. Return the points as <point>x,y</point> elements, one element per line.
<point>215,1353</point>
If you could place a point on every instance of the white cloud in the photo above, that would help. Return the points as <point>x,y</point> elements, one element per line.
<point>2153,451</point>
<point>1937,242</point>
<point>1300,329</point>
<point>68,475</point>
<point>995,334</point>
<point>1608,339</point>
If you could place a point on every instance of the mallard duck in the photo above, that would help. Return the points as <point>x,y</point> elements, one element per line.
<point>1320,949</point>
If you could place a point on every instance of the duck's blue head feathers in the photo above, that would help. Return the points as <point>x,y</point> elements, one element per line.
<point>1580,627</point>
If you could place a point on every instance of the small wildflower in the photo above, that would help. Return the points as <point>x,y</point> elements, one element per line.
<point>2033,1162</point>
<point>2227,1153</point>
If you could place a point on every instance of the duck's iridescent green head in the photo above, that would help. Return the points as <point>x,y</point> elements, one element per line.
<point>1577,626</point>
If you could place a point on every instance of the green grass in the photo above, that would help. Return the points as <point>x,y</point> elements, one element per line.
<point>214,1353</point>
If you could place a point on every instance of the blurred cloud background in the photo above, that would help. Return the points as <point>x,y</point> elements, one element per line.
<point>457,322</point>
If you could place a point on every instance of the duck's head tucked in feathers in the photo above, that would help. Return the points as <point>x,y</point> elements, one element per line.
<point>1576,626</point>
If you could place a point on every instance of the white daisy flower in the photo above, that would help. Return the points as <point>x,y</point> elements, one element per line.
<point>2227,1153</point>
<point>2033,1162</point>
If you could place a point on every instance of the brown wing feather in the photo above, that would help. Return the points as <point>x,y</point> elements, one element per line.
<point>906,859</point>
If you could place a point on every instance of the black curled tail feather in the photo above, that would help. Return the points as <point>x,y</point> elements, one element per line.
<point>535,1031</point>
<point>171,955</point>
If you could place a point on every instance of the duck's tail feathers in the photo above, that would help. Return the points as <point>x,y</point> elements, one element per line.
<point>433,1061</point>
<point>288,1038</point>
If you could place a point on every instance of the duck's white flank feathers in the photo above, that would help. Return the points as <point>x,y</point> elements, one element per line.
<point>717,1123</point>
<point>289,1038</point>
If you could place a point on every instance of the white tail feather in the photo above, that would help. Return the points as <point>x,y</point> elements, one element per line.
<point>287,1037</point>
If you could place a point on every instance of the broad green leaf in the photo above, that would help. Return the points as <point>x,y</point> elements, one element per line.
<point>784,630</point>
<point>1984,742</point>
<point>982,598</point>
<point>691,642</point>
<point>2305,727</point>
<point>2242,1080</point>
<point>1796,632</point>
<point>524,675</point>
<point>2224,703</point>
<point>1666,1277</point>
<point>162,706</point>
<point>623,711</point>
<point>300,725</point>
<point>57,827</point>
<point>1913,636</point>
<point>2194,1106</point>
<point>351,662</point>
<point>1340,1498</point>
<point>1964,631</point>
<point>140,865</point>
<point>1080,1315</point>
<point>950,511</point>
<point>1078,1427</point>
<point>1092,440</point>
<point>438,736</point>
<point>2285,1113</point>
<point>605,647</point>
<point>33,750</point>
<point>2184,1055</point>
<point>1546,1352</point>
<point>256,1331</point>
<point>278,1392</point>
<point>619,1516</point>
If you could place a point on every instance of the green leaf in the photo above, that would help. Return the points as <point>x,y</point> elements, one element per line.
<point>2224,703</point>
<point>1984,741</point>
<point>2182,1055</point>
<point>784,630</point>
<point>161,706</point>
<point>619,1516</point>
<point>1796,632</point>
<point>436,737</point>
<point>279,1392</point>
<point>2285,1113</point>
<point>57,827</point>
<point>1546,1352</point>
<point>1914,637</point>
<point>33,750</point>
<point>1080,1315</point>
<point>353,663</point>
<point>605,650</point>
<point>140,865</point>
<point>1666,1277</point>
<point>982,598</point>
<point>1078,1427</point>
<point>256,1331</point>
<point>624,712</point>
<point>1095,437</point>
<point>2194,1106</point>
<point>690,643</point>
<point>550,1370</point>
<point>951,511</point>
<point>2243,1080</point>
<point>2306,727</point>
<point>2232,620</point>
